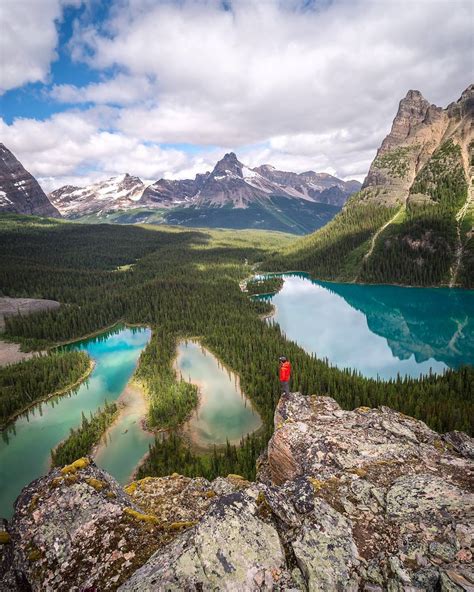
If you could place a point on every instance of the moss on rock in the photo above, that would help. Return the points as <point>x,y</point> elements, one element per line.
<point>77,465</point>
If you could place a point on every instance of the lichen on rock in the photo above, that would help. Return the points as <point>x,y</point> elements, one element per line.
<point>367,500</point>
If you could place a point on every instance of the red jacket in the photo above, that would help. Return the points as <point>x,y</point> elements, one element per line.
<point>285,371</point>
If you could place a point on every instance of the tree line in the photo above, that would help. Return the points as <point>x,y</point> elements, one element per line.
<point>81,440</point>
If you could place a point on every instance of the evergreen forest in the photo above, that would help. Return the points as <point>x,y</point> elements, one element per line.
<point>419,247</point>
<point>81,440</point>
<point>185,284</point>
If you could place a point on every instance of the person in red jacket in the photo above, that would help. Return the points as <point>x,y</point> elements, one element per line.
<point>285,374</point>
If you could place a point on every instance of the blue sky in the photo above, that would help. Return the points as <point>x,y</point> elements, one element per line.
<point>29,100</point>
<point>156,88</point>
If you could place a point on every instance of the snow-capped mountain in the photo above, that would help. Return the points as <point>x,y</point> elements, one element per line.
<point>233,182</point>
<point>230,184</point>
<point>19,190</point>
<point>117,193</point>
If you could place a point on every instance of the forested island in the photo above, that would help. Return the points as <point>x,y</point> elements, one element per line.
<point>185,284</point>
<point>31,381</point>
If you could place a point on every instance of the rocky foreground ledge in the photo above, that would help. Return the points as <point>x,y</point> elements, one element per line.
<point>366,500</point>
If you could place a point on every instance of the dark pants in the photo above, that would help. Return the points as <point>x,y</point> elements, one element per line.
<point>285,386</point>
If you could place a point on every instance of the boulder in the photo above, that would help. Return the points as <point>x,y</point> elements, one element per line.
<point>232,548</point>
<point>367,500</point>
<point>77,529</point>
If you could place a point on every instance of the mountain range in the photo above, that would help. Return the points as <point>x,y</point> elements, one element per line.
<point>232,195</point>
<point>412,221</point>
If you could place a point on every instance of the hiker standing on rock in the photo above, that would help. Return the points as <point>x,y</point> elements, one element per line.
<point>285,373</point>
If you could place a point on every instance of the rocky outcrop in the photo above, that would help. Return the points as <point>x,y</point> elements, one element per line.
<point>401,493</point>
<point>232,548</point>
<point>20,192</point>
<point>366,500</point>
<point>77,529</point>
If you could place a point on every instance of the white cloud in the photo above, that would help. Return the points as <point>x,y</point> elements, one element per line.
<point>268,72</point>
<point>28,39</point>
<point>120,90</point>
<point>300,89</point>
<point>70,145</point>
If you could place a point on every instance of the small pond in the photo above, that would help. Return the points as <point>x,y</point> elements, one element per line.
<point>224,412</point>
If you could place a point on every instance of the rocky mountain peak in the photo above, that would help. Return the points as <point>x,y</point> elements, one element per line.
<point>414,95</point>
<point>412,111</point>
<point>229,165</point>
<point>19,190</point>
<point>230,183</point>
<point>464,106</point>
<point>467,94</point>
<point>418,130</point>
<point>368,499</point>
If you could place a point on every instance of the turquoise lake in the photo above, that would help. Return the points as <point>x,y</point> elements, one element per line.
<point>25,447</point>
<point>379,330</point>
<point>224,412</point>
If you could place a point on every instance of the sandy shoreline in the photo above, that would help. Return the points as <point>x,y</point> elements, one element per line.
<point>10,353</point>
<point>131,401</point>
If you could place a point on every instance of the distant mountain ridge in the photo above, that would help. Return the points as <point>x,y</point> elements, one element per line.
<point>230,183</point>
<point>119,192</point>
<point>412,222</point>
<point>232,195</point>
<point>20,192</point>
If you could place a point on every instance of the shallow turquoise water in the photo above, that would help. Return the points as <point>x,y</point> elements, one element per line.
<point>25,447</point>
<point>223,413</point>
<point>378,330</point>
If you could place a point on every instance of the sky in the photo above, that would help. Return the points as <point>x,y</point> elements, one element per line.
<point>159,88</point>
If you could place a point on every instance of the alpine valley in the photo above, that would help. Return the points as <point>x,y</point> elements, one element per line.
<point>146,444</point>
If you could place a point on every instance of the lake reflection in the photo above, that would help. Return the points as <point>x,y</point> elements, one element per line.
<point>378,330</point>
<point>223,413</point>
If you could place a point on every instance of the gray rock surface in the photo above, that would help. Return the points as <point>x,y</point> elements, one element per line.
<point>418,130</point>
<point>367,500</point>
<point>232,548</point>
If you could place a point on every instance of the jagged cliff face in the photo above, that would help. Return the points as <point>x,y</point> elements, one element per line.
<point>344,500</point>
<point>418,130</point>
<point>167,192</point>
<point>19,191</point>
<point>321,187</point>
